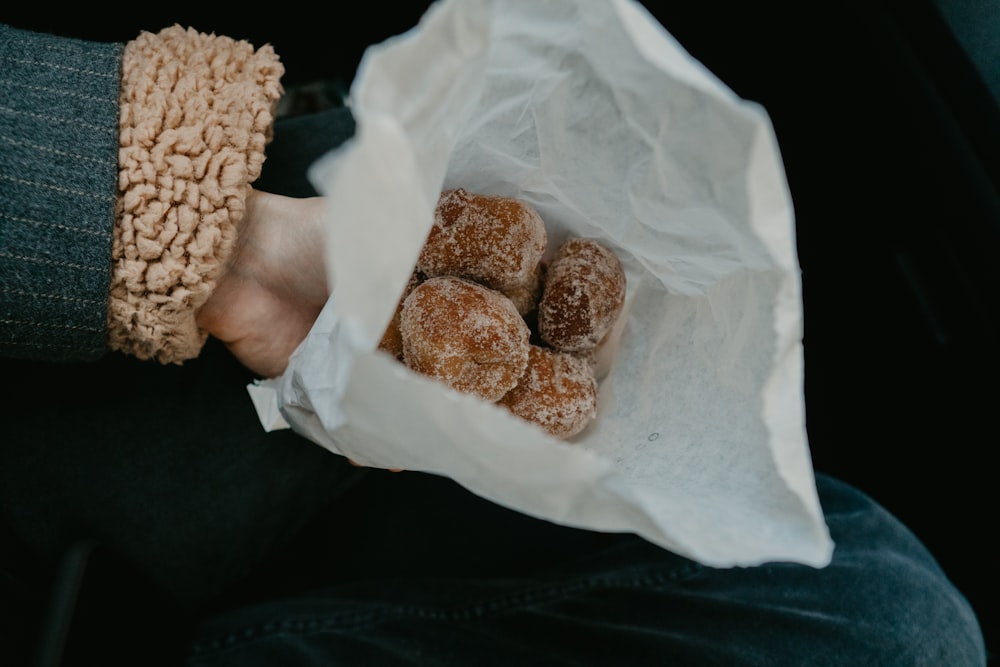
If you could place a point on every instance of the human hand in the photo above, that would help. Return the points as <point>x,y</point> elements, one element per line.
<point>274,284</point>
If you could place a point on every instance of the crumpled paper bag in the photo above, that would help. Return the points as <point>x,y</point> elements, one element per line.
<point>592,113</point>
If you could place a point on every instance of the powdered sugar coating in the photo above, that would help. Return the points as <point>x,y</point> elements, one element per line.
<point>468,336</point>
<point>496,241</point>
<point>527,294</point>
<point>558,392</point>
<point>583,296</point>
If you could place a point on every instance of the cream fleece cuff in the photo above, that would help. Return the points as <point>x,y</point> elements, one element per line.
<point>197,111</point>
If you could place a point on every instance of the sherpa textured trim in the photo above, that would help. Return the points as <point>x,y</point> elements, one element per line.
<point>197,111</point>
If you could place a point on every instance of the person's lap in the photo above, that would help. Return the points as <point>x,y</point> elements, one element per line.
<point>413,569</point>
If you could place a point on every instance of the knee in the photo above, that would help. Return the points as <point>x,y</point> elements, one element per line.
<point>897,602</point>
<point>902,612</point>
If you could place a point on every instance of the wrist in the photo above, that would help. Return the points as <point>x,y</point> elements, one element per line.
<point>280,232</point>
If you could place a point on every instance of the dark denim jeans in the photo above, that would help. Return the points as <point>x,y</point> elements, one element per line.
<point>218,544</point>
<point>442,578</point>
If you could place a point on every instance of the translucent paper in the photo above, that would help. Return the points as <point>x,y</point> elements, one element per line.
<point>592,113</point>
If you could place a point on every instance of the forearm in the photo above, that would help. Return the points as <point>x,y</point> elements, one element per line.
<point>58,176</point>
<point>128,167</point>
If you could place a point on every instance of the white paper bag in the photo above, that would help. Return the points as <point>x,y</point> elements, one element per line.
<point>592,113</point>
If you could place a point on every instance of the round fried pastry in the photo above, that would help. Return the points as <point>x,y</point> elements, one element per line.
<point>493,240</point>
<point>558,392</point>
<point>392,338</point>
<point>583,296</point>
<point>468,336</point>
<point>527,294</point>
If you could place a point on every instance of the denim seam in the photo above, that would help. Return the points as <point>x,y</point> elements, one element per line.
<point>358,620</point>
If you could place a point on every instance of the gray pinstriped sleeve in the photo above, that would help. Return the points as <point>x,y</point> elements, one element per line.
<point>58,178</point>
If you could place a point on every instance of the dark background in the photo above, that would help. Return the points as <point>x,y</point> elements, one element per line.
<point>891,142</point>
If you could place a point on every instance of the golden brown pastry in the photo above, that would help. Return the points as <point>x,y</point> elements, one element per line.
<point>392,339</point>
<point>583,296</point>
<point>496,241</point>
<point>528,293</point>
<point>558,392</point>
<point>468,336</point>
<point>484,314</point>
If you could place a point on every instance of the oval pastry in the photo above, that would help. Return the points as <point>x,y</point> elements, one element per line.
<point>468,336</point>
<point>558,392</point>
<point>493,240</point>
<point>583,296</point>
<point>526,295</point>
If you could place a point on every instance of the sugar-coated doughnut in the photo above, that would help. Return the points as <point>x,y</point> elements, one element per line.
<point>528,293</point>
<point>486,315</point>
<point>493,240</point>
<point>583,296</point>
<point>468,336</point>
<point>392,339</point>
<point>558,392</point>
